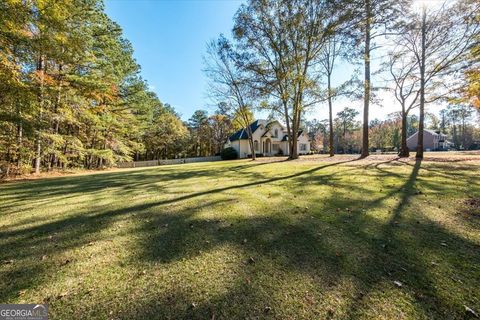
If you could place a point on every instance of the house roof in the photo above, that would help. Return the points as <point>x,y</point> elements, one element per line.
<point>285,137</point>
<point>242,133</point>
<point>269,125</point>
<point>433,133</point>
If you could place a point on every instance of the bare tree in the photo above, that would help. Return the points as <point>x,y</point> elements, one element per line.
<point>440,38</point>
<point>402,68</point>
<point>333,49</point>
<point>228,82</point>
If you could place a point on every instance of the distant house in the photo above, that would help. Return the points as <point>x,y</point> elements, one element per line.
<point>269,139</point>
<point>431,140</point>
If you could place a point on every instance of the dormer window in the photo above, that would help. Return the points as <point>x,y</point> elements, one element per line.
<point>275,133</point>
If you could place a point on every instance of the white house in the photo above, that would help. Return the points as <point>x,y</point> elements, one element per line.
<point>269,139</point>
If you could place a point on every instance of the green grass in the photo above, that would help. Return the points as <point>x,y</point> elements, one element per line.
<point>243,239</point>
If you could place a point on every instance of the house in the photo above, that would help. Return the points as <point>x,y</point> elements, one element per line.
<point>431,141</point>
<point>269,139</point>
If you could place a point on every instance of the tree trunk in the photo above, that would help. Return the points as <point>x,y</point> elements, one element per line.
<point>289,129</point>
<point>330,117</point>
<point>56,122</point>
<point>38,151</point>
<point>295,127</point>
<point>404,152</point>
<point>366,101</point>
<point>421,119</point>
<point>250,138</point>
<point>19,140</point>
<point>252,147</point>
<point>294,152</point>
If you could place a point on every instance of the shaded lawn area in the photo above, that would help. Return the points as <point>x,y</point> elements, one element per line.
<point>242,239</point>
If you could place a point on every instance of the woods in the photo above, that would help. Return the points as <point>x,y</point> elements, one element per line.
<point>71,94</point>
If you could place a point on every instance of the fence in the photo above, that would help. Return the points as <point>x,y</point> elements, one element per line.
<point>151,163</point>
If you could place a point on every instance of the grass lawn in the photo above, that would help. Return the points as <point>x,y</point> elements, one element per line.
<point>375,239</point>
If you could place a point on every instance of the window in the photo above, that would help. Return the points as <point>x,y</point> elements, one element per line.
<point>303,147</point>
<point>276,133</point>
<point>255,145</point>
<point>275,147</point>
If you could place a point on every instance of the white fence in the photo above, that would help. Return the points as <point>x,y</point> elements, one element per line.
<point>151,163</point>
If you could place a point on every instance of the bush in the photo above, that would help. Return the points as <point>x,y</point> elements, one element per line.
<point>229,154</point>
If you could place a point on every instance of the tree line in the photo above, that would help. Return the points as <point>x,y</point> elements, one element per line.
<point>70,90</point>
<point>71,94</point>
<point>458,122</point>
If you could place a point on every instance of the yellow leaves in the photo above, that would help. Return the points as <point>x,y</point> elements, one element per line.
<point>476,102</point>
<point>9,72</point>
<point>40,76</point>
<point>473,90</point>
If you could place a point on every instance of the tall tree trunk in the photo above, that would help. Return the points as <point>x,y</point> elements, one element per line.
<point>56,122</point>
<point>38,151</point>
<point>245,116</point>
<point>252,146</point>
<point>421,119</point>
<point>330,116</point>
<point>19,138</point>
<point>367,87</point>
<point>289,129</point>
<point>294,151</point>
<point>19,123</point>
<point>295,127</point>
<point>404,152</point>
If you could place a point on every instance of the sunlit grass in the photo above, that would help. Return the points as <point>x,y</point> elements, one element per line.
<point>242,239</point>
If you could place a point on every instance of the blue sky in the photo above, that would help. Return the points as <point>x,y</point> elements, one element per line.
<point>169,39</point>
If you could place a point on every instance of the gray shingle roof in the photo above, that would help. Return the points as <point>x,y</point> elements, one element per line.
<point>242,133</point>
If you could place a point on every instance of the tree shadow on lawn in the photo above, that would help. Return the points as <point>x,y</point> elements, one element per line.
<point>325,245</point>
<point>326,250</point>
<point>54,238</point>
<point>27,247</point>
<point>48,191</point>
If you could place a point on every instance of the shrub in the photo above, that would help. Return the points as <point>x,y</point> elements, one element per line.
<point>229,154</point>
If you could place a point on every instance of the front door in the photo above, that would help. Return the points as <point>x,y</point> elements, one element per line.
<point>268,147</point>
